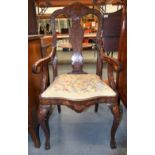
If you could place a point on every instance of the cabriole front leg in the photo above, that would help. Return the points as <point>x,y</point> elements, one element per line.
<point>115,109</point>
<point>43,120</point>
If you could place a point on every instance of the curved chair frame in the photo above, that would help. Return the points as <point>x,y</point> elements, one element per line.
<point>75,12</point>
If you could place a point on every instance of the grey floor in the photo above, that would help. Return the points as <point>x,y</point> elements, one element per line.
<point>87,133</point>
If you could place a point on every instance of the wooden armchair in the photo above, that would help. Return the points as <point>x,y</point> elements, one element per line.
<point>77,89</point>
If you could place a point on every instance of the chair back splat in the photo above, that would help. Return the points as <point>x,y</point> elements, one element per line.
<point>75,12</point>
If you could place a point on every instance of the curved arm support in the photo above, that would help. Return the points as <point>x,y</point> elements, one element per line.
<point>54,66</point>
<point>37,66</point>
<point>115,63</point>
<point>111,80</point>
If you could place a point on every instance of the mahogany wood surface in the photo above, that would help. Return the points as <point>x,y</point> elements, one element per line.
<point>45,41</point>
<point>122,57</point>
<point>34,87</point>
<point>32,20</point>
<point>54,3</point>
<point>76,11</point>
<point>36,51</point>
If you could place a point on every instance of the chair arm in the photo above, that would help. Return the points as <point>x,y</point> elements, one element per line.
<point>115,63</point>
<point>36,68</point>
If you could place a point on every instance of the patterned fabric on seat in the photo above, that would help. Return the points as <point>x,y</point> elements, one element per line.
<point>77,87</point>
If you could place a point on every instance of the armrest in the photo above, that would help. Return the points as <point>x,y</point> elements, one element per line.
<point>115,63</point>
<point>36,68</point>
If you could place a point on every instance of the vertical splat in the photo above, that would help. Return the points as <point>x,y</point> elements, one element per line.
<point>76,35</point>
<point>76,38</point>
<point>75,12</point>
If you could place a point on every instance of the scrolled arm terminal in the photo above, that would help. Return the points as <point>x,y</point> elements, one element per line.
<point>117,66</point>
<point>36,68</point>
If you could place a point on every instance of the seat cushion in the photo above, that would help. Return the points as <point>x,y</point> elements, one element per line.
<point>78,87</point>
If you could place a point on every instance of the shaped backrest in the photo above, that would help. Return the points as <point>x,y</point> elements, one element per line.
<point>75,12</point>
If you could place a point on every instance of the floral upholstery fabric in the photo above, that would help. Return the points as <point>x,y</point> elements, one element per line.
<point>77,87</point>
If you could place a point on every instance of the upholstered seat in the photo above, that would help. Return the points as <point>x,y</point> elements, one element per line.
<point>77,87</point>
